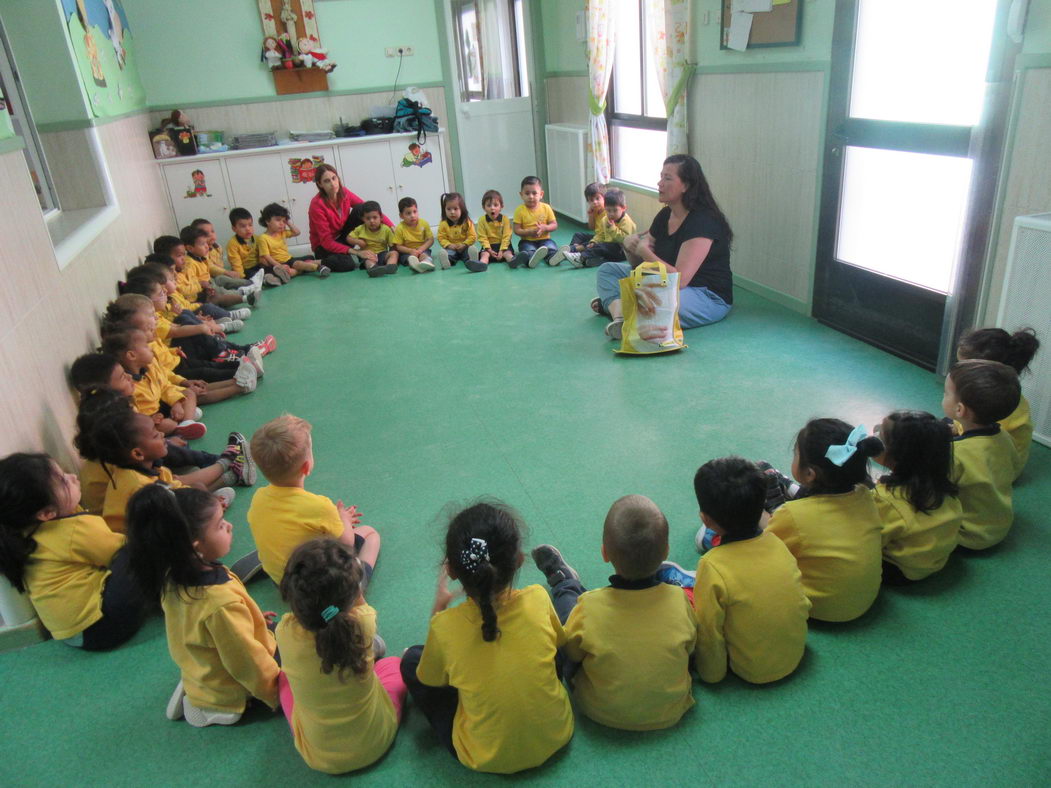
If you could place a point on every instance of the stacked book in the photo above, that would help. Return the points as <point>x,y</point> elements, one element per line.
<point>311,136</point>
<point>243,141</point>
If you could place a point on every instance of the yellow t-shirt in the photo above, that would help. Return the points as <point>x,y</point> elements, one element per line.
<point>168,360</point>
<point>379,241</point>
<point>338,725</point>
<point>620,635</point>
<point>282,518</point>
<point>496,233</point>
<point>606,232</point>
<point>836,540</point>
<point>413,237</point>
<point>277,248</point>
<point>187,284</point>
<point>215,261</point>
<point>218,637</point>
<point>526,218</point>
<point>242,254</point>
<point>93,483</point>
<point>751,611</point>
<point>918,543</point>
<point>126,482</point>
<point>595,220</point>
<point>462,233</point>
<point>198,268</point>
<point>155,386</point>
<point>164,325</point>
<point>983,467</point>
<point>67,571</point>
<point>513,712</point>
<point>1019,425</point>
<point>179,303</point>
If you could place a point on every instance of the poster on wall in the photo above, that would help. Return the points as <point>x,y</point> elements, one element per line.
<point>105,55</point>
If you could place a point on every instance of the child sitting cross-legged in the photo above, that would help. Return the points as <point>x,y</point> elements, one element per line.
<point>494,233</point>
<point>607,244</point>
<point>190,294</point>
<point>372,242</point>
<point>533,222</point>
<point>456,233</point>
<point>413,237</point>
<point>223,288</point>
<point>272,249</point>
<point>633,639</point>
<point>228,277</point>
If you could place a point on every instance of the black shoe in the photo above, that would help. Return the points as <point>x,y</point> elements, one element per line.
<point>590,261</point>
<point>475,267</point>
<point>550,562</point>
<point>247,566</point>
<point>391,268</point>
<point>517,260</point>
<point>376,270</point>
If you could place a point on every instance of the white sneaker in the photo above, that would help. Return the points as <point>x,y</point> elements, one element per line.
<point>198,414</point>
<point>442,256</point>
<point>226,496</point>
<point>246,377</point>
<point>576,259</point>
<point>472,253</point>
<point>257,279</point>
<point>240,314</point>
<point>202,718</point>
<point>537,256</point>
<point>255,357</point>
<point>231,326</point>
<point>420,266</point>
<point>615,330</point>
<point>174,708</point>
<point>559,256</point>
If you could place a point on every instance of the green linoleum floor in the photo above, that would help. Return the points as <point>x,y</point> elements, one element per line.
<point>429,389</point>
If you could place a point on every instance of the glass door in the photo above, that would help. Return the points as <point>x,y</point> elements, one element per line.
<point>907,89</point>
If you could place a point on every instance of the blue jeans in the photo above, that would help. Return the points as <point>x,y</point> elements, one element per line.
<point>528,247</point>
<point>698,306</point>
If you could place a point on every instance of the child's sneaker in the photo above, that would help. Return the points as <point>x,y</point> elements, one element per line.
<point>615,330</point>
<point>191,430</point>
<point>591,260</point>
<point>246,376</point>
<point>551,564</point>
<point>706,539</point>
<point>240,314</point>
<point>174,709</point>
<point>537,256</point>
<point>576,259</point>
<point>558,256</point>
<point>518,260</point>
<point>271,280</point>
<point>376,270</point>
<point>674,575</point>
<point>474,266</point>
<point>268,345</point>
<point>231,326</point>
<point>390,268</point>
<point>226,495</point>
<point>779,488</point>
<point>472,253</point>
<point>248,566</point>
<point>420,266</point>
<point>198,414</point>
<point>258,278</point>
<point>442,256</point>
<point>240,457</point>
<point>202,718</point>
<point>323,271</point>
<point>282,273</point>
<point>255,358</point>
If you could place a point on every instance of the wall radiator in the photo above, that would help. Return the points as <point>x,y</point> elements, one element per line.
<point>567,169</point>
<point>1025,303</point>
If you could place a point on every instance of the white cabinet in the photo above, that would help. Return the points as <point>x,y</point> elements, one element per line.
<point>197,190</point>
<point>386,172</point>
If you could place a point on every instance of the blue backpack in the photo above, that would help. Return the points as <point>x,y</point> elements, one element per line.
<point>411,116</point>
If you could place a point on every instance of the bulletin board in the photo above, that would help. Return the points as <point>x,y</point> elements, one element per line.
<point>779,27</point>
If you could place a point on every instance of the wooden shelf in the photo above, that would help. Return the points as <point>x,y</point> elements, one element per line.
<point>299,80</point>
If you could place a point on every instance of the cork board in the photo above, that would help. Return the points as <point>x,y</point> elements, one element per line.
<point>777,28</point>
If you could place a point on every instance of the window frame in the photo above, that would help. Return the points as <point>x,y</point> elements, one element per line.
<point>516,33</point>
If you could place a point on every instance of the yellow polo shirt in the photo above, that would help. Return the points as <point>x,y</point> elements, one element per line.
<point>215,261</point>
<point>93,483</point>
<point>242,254</point>
<point>496,233</point>
<point>526,218</point>
<point>1019,425</point>
<point>462,233</point>
<point>605,232</point>
<point>282,518</point>
<point>199,268</point>
<point>413,237</point>
<point>168,360</point>
<point>187,284</point>
<point>918,543</point>
<point>379,241</point>
<point>155,386</point>
<point>983,467</point>
<point>277,248</point>
<point>126,482</point>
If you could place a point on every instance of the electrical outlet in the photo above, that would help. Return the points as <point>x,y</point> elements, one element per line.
<point>399,51</point>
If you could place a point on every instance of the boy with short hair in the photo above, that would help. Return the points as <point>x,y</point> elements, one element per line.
<point>978,394</point>
<point>633,638</point>
<point>751,608</point>
<point>607,245</point>
<point>413,237</point>
<point>242,249</point>
<point>222,276</point>
<point>198,247</point>
<point>371,242</point>
<point>595,197</point>
<point>272,246</point>
<point>533,221</point>
<point>283,515</point>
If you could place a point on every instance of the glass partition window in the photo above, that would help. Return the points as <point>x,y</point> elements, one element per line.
<point>490,45</point>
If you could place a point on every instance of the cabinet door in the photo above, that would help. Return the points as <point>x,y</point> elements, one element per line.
<point>299,169</point>
<point>365,169</point>
<point>256,181</point>
<point>198,191</point>
<point>420,174</point>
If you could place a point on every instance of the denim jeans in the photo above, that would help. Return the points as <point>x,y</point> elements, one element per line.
<point>698,306</point>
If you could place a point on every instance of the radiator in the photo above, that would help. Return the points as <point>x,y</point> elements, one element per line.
<point>1025,303</point>
<point>567,169</point>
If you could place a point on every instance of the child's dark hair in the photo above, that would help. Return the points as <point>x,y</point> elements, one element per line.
<point>405,202</point>
<point>237,214</point>
<point>490,195</point>
<point>635,536</point>
<point>732,491</point>
<point>120,310</point>
<point>162,526</point>
<point>165,244</point>
<point>994,344</point>
<point>26,487</point>
<point>320,574</point>
<point>189,235</point>
<point>919,453</point>
<point>105,427</point>
<point>118,341</point>
<point>272,211</point>
<point>593,189</point>
<point>159,259</point>
<point>455,198</point>
<point>92,371</point>
<point>483,547</point>
<point>371,206</point>
<point>199,223</point>
<point>531,180</point>
<point>616,198</point>
<point>988,388</point>
<point>151,269</point>
<point>141,285</point>
<point>813,442</point>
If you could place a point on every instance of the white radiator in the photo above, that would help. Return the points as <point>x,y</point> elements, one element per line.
<point>567,170</point>
<point>1026,302</point>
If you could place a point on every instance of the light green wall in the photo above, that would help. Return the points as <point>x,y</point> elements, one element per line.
<point>6,129</point>
<point>1038,28</point>
<point>562,52</point>
<point>202,50</point>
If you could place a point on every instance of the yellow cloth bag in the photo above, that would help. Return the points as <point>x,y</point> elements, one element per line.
<point>662,327</point>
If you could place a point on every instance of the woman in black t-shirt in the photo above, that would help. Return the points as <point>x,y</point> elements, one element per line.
<point>692,237</point>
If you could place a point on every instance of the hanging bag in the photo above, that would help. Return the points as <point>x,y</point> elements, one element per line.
<point>661,330</point>
<point>410,116</point>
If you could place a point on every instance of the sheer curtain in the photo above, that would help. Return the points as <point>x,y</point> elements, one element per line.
<point>668,37</point>
<point>498,51</point>
<point>600,65</point>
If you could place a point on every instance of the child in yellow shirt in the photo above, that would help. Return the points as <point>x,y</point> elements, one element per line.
<point>216,264</point>
<point>533,222</point>
<point>343,703</point>
<point>595,197</point>
<point>614,225</point>
<point>456,233</point>
<point>486,677</point>
<point>228,291</point>
<point>283,514</point>
<point>372,242</point>
<point>242,250</point>
<point>413,237</point>
<point>72,566</point>
<point>217,635</point>
<point>494,233</point>
<point>632,639</point>
<point>189,293</point>
<point>272,249</point>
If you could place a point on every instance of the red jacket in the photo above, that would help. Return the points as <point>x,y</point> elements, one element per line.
<point>325,223</point>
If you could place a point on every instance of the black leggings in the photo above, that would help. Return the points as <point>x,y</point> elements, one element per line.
<point>438,704</point>
<point>123,608</point>
<point>337,263</point>
<point>208,371</point>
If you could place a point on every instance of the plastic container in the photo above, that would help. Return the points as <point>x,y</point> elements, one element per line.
<point>205,139</point>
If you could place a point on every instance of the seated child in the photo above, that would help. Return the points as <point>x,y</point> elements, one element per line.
<point>224,289</point>
<point>486,679</point>
<point>595,197</point>
<point>633,638</point>
<point>494,233</point>
<point>607,246</point>
<point>283,514</point>
<point>371,242</point>
<point>191,295</point>
<point>242,249</point>
<point>917,500</point>
<point>272,250</point>
<point>749,597</point>
<point>533,222</point>
<point>71,565</point>
<point>835,532</point>
<point>343,704</point>
<point>219,271</point>
<point>413,237</point>
<point>978,394</point>
<point>456,233</point>
<point>217,635</point>
<point>1016,350</point>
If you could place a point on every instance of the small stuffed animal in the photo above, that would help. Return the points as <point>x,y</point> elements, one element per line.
<point>271,54</point>
<point>311,55</point>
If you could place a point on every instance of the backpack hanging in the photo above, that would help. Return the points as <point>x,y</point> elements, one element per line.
<point>412,116</point>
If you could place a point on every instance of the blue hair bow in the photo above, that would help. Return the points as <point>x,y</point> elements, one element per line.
<point>329,613</point>
<point>839,454</point>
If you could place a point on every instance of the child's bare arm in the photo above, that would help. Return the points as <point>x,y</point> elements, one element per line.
<point>350,517</point>
<point>523,232</point>
<point>292,229</point>
<point>404,249</point>
<point>267,260</point>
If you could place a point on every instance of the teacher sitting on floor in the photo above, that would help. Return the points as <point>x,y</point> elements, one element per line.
<point>332,217</point>
<point>691,236</point>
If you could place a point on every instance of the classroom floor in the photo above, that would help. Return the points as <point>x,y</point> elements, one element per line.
<point>426,390</point>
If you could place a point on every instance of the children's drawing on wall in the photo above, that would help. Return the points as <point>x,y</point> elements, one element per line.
<point>302,170</point>
<point>102,44</point>
<point>200,186</point>
<point>416,157</point>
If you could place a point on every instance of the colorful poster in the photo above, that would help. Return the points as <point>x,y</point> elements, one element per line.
<point>102,45</point>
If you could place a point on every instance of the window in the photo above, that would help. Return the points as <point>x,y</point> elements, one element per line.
<point>635,110</point>
<point>490,45</point>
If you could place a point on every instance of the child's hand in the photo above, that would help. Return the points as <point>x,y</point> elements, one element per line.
<point>348,514</point>
<point>442,595</point>
<point>178,411</point>
<point>197,386</point>
<point>175,440</point>
<point>371,257</point>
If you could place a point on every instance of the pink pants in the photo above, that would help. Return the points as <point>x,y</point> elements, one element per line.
<point>388,671</point>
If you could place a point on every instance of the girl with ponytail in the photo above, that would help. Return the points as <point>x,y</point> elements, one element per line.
<point>342,705</point>
<point>217,635</point>
<point>486,678</point>
<point>834,532</point>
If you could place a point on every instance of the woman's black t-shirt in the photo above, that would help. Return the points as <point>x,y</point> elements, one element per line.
<point>714,272</point>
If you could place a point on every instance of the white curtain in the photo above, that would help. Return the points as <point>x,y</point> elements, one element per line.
<point>668,38</point>
<point>600,66</point>
<point>495,22</point>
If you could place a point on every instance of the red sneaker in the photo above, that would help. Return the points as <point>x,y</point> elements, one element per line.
<point>268,345</point>
<point>191,430</point>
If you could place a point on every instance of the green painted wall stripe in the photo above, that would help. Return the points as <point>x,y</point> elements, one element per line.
<point>572,73</point>
<point>766,68</point>
<point>287,97</point>
<point>11,144</point>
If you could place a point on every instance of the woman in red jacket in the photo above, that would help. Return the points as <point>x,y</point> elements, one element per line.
<point>332,217</point>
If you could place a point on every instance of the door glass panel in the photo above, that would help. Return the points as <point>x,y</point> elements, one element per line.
<point>490,49</point>
<point>921,62</point>
<point>901,214</point>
